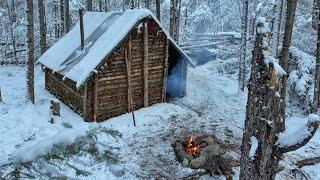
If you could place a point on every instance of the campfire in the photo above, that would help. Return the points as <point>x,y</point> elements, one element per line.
<point>192,148</point>
<point>203,152</point>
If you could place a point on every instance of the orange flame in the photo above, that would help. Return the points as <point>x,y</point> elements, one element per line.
<point>192,149</point>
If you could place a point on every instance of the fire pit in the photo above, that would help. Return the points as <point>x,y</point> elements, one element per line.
<point>203,152</point>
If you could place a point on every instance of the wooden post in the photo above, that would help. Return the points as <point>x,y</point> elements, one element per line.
<point>95,105</point>
<point>81,28</point>
<point>145,63</point>
<point>85,95</point>
<point>55,110</point>
<point>165,72</point>
<point>128,59</point>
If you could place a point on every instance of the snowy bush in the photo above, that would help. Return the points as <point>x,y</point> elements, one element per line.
<point>300,81</point>
<point>202,19</point>
<point>96,149</point>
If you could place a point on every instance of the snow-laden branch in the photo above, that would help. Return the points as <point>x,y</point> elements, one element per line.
<point>292,141</point>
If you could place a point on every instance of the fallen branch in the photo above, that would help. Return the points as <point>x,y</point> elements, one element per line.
<point>308,162</point>
<point>312,127</point>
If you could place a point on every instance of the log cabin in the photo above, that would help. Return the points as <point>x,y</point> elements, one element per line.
<point>125,61</point>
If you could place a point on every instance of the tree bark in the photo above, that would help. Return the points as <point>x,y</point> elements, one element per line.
<point>279,24</point>
<point>43,28</point>
<point>243,54</point>
<point>147,4</point>
<point>315,14</point>
<point>284,54</point>
<point>30,52</point>
<point>158,9</point>
<point>13,40</point>
<point>172,17</point>
<point>315,104</point>
<point>66,16</point>
<point>62,28</point>
<point>89,5</point>
<point>262,115</point>
<point>0,95</point>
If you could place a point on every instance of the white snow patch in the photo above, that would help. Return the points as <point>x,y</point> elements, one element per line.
<point>293,136</point>
<point>254,146</point>
<point>32,150</point>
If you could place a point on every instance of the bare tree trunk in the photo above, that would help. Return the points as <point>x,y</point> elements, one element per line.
<point>62,28</point>
<point>106,5</point>
<point>89,5</point>
<point>284,54</point>
<point>30,51</point>
<point>0,95</point>
<point>172,17</point>
<point>66,16</point>
<point>254,17</point>
<point>147,4</point>
<point>158,9</point>
<point>178,22</point>
<point>262,147</point>
<point>243,55</point>
<point>13,40</point>
<point>262,107</point>
<point>100,6</point>
<point>315,14</point>
<point>316,96</point>
<point>43,28</point>
<point>56,16</point>
<point>175,8</point>
<point>279,24</point>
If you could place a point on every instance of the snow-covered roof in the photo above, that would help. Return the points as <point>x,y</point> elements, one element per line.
<point>102,33</point>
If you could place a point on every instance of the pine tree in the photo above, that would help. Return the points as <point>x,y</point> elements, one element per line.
<point>243,54</point>
<point>30,51</point>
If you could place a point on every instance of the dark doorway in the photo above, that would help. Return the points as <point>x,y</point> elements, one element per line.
<point>176,74</point>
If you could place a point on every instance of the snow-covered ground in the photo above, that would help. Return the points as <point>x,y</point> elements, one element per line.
<point>212,106</point>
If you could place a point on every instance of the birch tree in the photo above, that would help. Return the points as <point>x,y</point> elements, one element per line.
<point>243,50</point>
<point>42,28</point>
<point>316,96</point>
<point>30,51</point>
<point>284,54</point>
<point>264,140</point>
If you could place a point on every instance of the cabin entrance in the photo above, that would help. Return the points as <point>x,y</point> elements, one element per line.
<point>177,71</point>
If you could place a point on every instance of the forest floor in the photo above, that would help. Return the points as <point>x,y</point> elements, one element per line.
<point>212,106</point>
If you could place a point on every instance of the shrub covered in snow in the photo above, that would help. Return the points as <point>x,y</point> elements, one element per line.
<point>78,156</point>
<point>302,68</point>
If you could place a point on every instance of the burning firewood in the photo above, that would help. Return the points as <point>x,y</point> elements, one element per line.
<point>203,152</point>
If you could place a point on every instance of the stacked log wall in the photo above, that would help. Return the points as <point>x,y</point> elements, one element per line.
<point>65,90</point>
<point>113,86</point>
